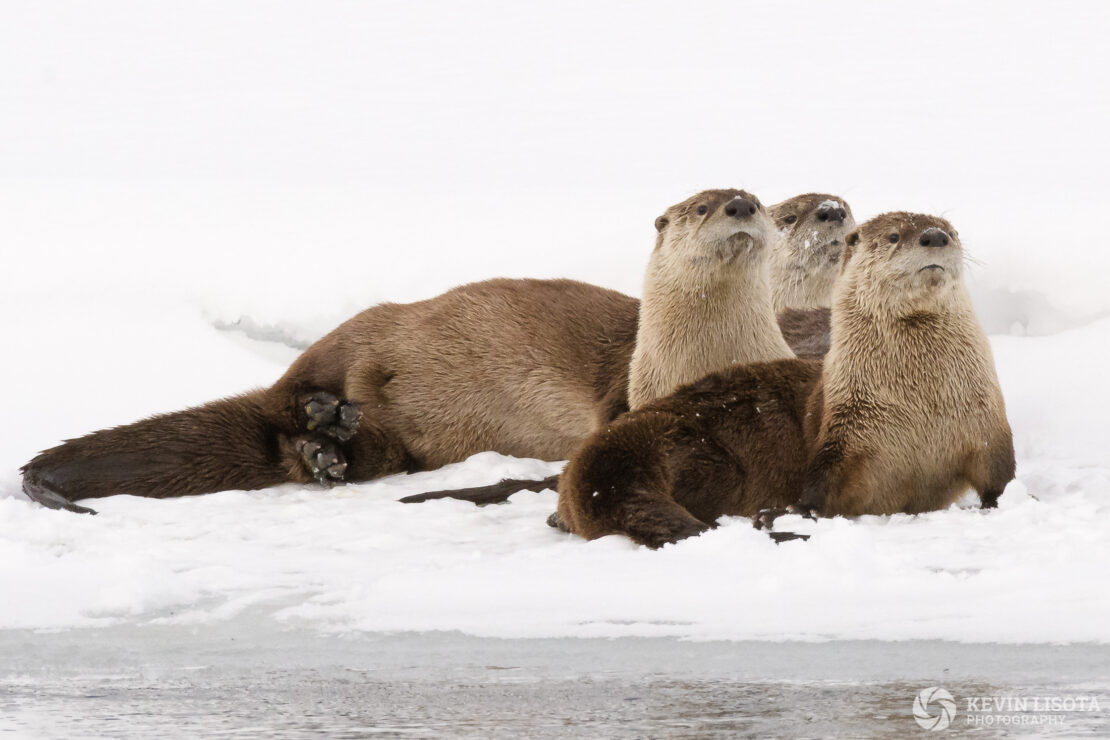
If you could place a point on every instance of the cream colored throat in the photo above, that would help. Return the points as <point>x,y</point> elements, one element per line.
<point>688,330</point>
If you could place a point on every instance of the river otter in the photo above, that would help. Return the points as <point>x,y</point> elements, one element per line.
<point>525,367</point>
<point>707,297</point>
<point>805,263</point>
<point>804,268</point>
<point>905,414</point>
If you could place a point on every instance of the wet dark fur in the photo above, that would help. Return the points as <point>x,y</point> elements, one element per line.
<point>733,443</point>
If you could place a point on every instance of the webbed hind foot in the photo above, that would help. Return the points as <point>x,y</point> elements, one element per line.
<point>331,416</point>
<point>556,522</point>
<point>322,458</point>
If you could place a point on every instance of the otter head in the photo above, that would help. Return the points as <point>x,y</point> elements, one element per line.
<point>813,228</point>
<point>904,262</point>
<point>715,228</point>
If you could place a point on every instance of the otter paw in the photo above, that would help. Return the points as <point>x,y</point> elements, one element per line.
<point>331,416</point>
<point>323,459</point>
<point>989,499</point>
<point>555,521</point>
<point>766,518</point>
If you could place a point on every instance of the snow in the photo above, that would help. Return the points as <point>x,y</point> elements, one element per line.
<point>191,191</point>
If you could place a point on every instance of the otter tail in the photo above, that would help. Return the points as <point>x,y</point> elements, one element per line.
<point>232,443</point>
<point>496,493</point>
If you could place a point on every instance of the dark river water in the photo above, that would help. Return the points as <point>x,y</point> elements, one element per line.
<point>230,682</point>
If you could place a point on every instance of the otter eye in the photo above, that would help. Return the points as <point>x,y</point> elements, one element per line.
<point>702,210</point>
<point>893,238</point>
<point>790,219</point>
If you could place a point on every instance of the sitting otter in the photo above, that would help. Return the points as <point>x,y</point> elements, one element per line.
<point>525,367</point>
<point>904,416</point>
<point>806,263</point>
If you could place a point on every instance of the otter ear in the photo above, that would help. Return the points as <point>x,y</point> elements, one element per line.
<point>849,241</point>
<point>661,223</point>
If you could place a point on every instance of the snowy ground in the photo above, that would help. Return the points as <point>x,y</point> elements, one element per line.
<point>188,190</point>
<point>352,558</point>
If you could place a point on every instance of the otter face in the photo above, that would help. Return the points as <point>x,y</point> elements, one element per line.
<point>919,255</point>
<point>814,227</point>
<point>715,227</point>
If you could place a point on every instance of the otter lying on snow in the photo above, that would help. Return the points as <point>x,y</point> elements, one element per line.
<point>525,367</point>
<point>904,416</point>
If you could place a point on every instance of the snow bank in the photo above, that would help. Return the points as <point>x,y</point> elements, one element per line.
<point>352,558</point>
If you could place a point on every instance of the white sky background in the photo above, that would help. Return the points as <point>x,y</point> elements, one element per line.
<point>436,143</point>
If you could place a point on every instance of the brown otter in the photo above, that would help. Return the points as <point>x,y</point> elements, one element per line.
<point>904,416</point>
<point>805,266</point>
<point>706,298</point>
<point>806,262</point>
<point>524,367</point>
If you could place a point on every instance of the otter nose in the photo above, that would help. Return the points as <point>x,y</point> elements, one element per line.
<point>740,208</point>
<point>933,237</point>
<point>831,213</point>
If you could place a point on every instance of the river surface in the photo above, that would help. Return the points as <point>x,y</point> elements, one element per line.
<point>233,682</point>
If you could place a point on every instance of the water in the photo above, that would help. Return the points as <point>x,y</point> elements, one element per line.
<point>242,680</point>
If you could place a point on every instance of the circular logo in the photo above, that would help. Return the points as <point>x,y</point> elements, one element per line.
<point>946,707</point>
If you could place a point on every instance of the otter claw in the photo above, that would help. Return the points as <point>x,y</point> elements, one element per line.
<point>332,416</point>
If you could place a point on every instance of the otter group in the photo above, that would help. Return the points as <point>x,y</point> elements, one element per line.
<point>701,400</point>
<point>903,415</point>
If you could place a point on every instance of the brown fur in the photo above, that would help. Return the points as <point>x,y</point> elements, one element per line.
<point>524,367</point>
<point>807,331</point>
<point>905,415</point>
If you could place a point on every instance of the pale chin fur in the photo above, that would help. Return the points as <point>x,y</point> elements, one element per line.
<point>931,278</point>
<point>815,241</point>
<point>740,244</point>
